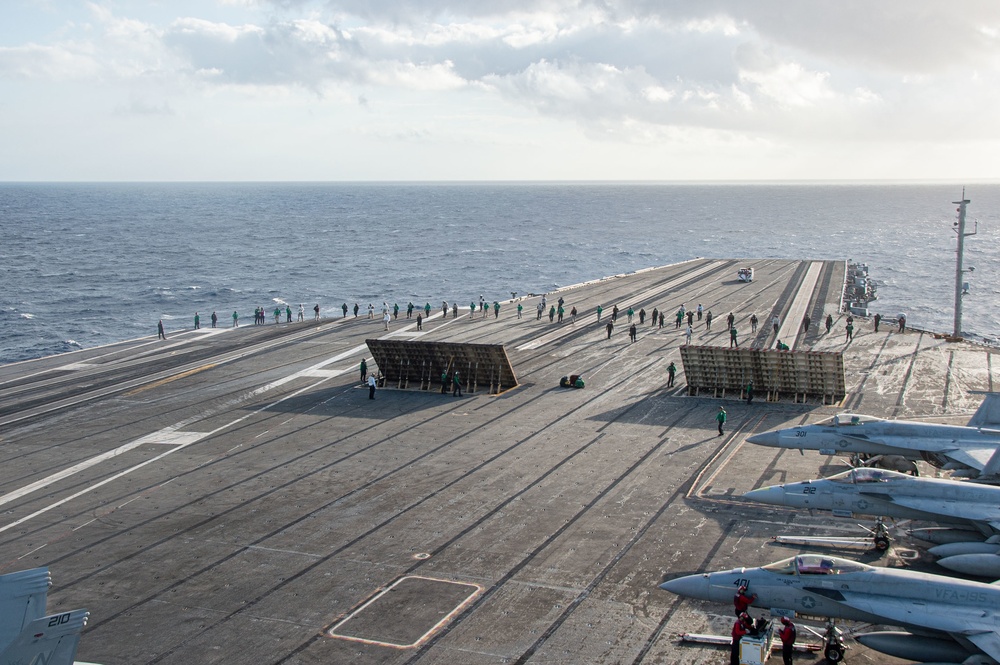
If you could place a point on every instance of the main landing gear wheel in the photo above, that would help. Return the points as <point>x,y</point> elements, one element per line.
<point>834,654</point>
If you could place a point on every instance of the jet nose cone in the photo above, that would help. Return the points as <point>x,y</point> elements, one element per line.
<point>774,495</point>
<point>692,586</point>
<point>764,439</point>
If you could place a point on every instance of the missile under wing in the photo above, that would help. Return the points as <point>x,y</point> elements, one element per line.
<point>883,493</point>
<point>968,450</point>
<point>928,606</point>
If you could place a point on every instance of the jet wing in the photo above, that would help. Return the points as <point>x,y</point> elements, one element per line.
<point>961,509</point>
<point>969,621</point>
<point>975,457</point>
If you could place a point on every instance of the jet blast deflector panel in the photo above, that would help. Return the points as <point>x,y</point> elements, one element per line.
<point>802,374</point>
<point>412,364</point>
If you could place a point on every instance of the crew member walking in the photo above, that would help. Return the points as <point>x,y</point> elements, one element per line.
<point>458,386</point>
<point>162,335</point>
<point>720,417</point>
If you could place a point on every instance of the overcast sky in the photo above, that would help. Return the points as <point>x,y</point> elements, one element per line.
<point>499,90</point>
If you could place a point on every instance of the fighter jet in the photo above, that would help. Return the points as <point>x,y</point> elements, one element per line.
<point>883,493</point>
<point>946,619</point>
<point>971,450</point>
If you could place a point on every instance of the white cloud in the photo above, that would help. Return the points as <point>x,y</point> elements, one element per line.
<point>636,72</point>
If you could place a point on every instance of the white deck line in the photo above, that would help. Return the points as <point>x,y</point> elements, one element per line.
<point>641,297</point>
<point>790,329</point>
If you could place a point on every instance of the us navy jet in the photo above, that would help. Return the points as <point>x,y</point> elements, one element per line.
<point>945,619</point>
<point>972,450</point>
<point>883,493</point>
<point>26,634</point>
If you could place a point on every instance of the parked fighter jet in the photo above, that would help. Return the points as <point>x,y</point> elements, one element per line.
<point>883,493</point>
<point>946,619</point>
<point>971,450</point>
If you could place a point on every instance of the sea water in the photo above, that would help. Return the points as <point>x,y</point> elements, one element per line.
<point>87,264</point>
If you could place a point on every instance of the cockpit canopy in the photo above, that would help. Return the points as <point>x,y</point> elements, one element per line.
<point>865,475</point>
<point>815,564</point>
<point>848,420</point>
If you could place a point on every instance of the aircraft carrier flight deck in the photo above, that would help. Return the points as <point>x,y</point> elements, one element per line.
<point>232,495</point>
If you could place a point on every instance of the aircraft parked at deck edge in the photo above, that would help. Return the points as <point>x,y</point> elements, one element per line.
<point>946,619</point>
<point>972,450</point>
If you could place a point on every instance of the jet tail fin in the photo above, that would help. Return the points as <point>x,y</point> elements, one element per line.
<point>51,640</point>
<point>988,413</point>
<point>22,600</point>
<point>992,467</point>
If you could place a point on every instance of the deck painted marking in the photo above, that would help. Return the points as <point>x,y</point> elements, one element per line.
<point>645,295</point>
<point>171,436</point>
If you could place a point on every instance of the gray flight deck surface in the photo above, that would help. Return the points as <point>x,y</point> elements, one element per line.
<point>233,496</point>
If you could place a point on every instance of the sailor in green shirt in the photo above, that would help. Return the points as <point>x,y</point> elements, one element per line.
<point>519,308</point>
<point>721,418</point>
<point>599,310</point>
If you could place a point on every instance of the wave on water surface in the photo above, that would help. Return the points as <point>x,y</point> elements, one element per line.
<point>182,248</point>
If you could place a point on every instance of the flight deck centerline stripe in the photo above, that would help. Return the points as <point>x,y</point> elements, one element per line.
<point>146,439</point>
<point>76,468</point>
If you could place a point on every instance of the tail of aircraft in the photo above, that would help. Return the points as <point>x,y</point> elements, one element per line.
<point>988,413</point>
<point>22,600</point>
<point>50,640</point>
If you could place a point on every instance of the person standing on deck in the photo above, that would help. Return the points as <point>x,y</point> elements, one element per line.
<point>805,323</point>
<point>749,392</point>
<point>288,313</point>
<point>427,310</point>
<point>902,323</point>
<point>829,323</point>
<point>850,330</point>
<point>356,308</point>
<point>642,315</point>
<point>730,320</point>
<point>197,321</point>
<point>552,313</point>
<point>519,308</point>
<point>720,418</point>
<point>708,321</point>
<point>775,323</point>
<point>671,373</point>
<point>700,310</point>
<point>540,308</point>
<point>656,317</point>
<point>688,334</point>
<point>690,316</point>
<point>787,636</point>
<point>572,314</point>
<point>611,328</point>
<point>614,314</point>
<point>458,386</point>
<point>386,319</point>
<point>878,319</point>
<point>395,311</point>
<point>302,312</point>
<point>630,313</point>
<point>732,338</point>
<point>236,319</point>
<point>496,309</point>
<point>739,630</point>
<point>420,322</point>
<point>371,387</point>
<point>662,317</point>
<point>159,330</point>
<point>364,370</point>
<point>753,323</point>
<point>599,311</point>
<point>631,332</point>
<point>215,319</point>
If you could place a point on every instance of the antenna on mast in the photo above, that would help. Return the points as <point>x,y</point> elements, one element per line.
<point>959,227</point>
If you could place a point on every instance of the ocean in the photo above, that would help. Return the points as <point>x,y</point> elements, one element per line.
<point>87,264</point>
